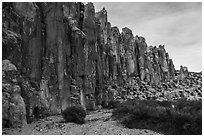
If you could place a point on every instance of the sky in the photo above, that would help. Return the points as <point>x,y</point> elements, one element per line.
<point>177,25</point>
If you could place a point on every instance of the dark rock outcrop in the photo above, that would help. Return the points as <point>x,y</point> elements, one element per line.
<point>183,72</point>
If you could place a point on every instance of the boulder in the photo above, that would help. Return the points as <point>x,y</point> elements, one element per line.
<point>8,66</point>
<point>17,110</point>
<point>13,106</point>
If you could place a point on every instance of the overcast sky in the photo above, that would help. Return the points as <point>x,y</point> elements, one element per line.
<point>176,25</point>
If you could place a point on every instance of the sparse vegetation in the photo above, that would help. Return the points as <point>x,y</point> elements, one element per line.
<point>74,114</point>
<point>180,117</point>
<point>113,104</point>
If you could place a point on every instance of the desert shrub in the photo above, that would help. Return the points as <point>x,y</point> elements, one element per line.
<point>113,104</point>
<point>40,112</point>
<point>184,118</point>
<point>187,116</point>
<point>188,106</point>
<point>74,114</point>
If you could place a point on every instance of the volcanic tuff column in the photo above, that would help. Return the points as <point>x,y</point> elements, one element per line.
<point>91,69</point>
<point>72,52</point>
<point>117,50</point>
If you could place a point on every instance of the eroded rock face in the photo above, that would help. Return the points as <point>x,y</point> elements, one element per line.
<point>11,38</point>
<point>140,49</point>
<point>117,49</point>
<point>127,43</point>
<point>70,54</point>
<point>91,55</point>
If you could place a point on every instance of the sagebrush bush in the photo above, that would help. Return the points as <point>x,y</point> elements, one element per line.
<point>113,104</point>
<point>184,118</point>
<point>74,114</point>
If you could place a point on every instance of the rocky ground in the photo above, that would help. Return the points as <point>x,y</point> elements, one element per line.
<point>97,123</point>
<point>189,87</point>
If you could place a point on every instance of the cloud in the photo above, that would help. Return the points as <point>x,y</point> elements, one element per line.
<point>176,25</point>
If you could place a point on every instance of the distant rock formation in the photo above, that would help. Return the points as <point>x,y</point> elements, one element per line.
<point>70,52</point>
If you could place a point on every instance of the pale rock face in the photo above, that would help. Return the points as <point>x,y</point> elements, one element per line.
<point>26,9</point>
<point>131,66</point>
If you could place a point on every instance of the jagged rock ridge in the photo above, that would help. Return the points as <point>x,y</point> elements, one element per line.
<point>65,54</point>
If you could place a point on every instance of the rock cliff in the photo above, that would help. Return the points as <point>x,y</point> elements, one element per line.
<point>66,53</point>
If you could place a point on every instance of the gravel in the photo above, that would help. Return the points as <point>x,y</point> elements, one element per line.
<point>97,123</point>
